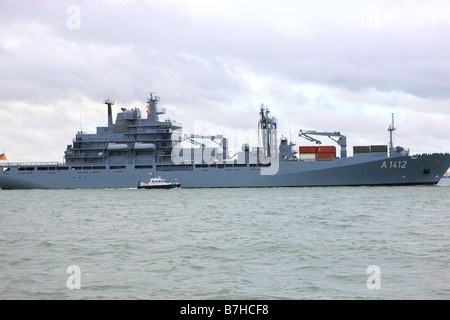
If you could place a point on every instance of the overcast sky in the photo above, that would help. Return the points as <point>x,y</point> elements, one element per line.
<point>324,65</point>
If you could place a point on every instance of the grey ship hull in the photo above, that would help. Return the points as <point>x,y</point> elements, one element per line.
<point>403,170</point>
<point>126,151</point>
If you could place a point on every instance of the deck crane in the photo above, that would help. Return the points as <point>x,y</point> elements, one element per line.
<point>223,144</point>
<point>341,139</point>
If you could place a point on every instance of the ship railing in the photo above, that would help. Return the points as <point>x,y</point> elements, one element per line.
<point>30,164</point>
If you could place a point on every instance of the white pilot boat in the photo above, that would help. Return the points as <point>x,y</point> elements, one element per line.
<point>158,183</point>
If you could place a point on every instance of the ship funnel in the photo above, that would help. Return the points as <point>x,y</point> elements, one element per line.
<point>109,103</point>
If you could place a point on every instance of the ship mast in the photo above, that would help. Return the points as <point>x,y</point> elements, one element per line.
<point>152,110</point>
<point>391,129</point>
<point>267,127</point>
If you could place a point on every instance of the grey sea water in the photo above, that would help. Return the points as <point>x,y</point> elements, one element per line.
<point>263,243</point>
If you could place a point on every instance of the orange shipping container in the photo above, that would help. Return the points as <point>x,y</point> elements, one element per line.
<point>307,149</point>
<point>326,155</point>
<point>326,149</point>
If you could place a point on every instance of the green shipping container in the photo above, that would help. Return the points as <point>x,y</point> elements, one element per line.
<point>361,149</point>
<point>380,148</point>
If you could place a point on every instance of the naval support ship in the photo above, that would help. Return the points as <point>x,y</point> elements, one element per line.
<point>136,148</point>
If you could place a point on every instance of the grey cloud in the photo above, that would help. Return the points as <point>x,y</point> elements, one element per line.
<point>125,49</point>
<point>413,61</point>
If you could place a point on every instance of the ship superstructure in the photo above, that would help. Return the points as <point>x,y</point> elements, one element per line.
<point>131,139</point>
<point>137,144</point>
